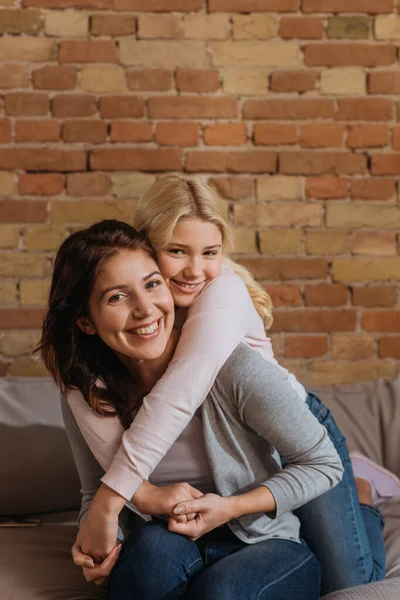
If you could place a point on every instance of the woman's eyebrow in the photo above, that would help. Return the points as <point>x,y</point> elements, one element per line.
<point>121,286</point>
<point>146,277</point>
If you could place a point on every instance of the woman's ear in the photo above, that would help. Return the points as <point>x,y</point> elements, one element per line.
<point>86,325</point>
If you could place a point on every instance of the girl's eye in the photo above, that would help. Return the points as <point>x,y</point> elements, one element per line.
<point>150,285</point>
<point>175,251</point>
<point>210,253</point>
<point>115,298</point>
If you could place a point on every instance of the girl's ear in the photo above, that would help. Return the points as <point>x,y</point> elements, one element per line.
<point>86,325</point>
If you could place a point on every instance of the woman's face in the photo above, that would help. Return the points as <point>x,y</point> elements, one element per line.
<point>131,308</point>
<point>192,259</point>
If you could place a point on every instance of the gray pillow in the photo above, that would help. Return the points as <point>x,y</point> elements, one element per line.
<point>37,471</point>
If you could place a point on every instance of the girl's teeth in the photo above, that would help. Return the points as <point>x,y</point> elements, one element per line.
<point>147,330</point>
<point>188,286</point>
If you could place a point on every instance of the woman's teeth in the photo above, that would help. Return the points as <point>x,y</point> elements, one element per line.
<point>146,330</point>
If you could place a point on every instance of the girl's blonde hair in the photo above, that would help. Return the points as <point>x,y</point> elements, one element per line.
<point>172,198</point>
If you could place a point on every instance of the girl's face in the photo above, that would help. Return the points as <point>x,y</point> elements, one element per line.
<point>131,308</point>
<point>192,259</point>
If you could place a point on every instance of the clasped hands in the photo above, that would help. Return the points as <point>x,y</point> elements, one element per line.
<point>189,512</point>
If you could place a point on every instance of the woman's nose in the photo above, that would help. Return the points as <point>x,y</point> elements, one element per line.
<point>142,308</point>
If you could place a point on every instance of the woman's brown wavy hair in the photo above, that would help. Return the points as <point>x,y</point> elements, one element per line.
<point>77,360</point>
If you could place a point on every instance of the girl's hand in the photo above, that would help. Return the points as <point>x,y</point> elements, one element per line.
<point>212,511</point>
<point>97,535</point>
<point>96,573</point>
<point>154,500</point>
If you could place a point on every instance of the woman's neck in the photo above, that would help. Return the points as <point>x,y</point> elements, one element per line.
<point>148,372</point>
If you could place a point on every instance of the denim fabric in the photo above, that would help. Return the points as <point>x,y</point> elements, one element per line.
<point>345,536</point>
<point>156,564</point>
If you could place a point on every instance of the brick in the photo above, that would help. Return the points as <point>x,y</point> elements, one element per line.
<point>351,28</point>
<point>20,21</point>
<point>311,162</point>
<point>352,346</point>
<point>43,237</point>
<point>244,240</point>
<point>34,292</point>
<point>385,164</point>
<point>289,109</point>
<point>310,320</point>
<point>367,136</point>
<point>245,82</point>
<point>344,6</point>
<point>295,366</point>
<point>363,215</point>
<point>266,134</point>
<point>39,49</point>
<point>55,78</point>
<point>206,27</point>
<point>225,134</point>
<point>177,134</point>
<point>23,211</point>
<point>349,54</point>
<point>381,82</point>
<point>121,107</point>
<point>14,264</point>
<point>37,131</point>
<point>28,367</point>
<point>373,189</point>
<point>14,76</point>
<point>278,187</point>
<point>305,346</point>
<point>34,159</point>
<point>335,294</point>
<point>365,269</point>
<point>385,320</point>
<point>66,23</point>
<point>233,162</point>
<point>158,5</point>
<point>232,188</point>
<point>284,295</point>
<point>5,131</point>
<point>7,187</point>
<point>253,5</point>
<point>44,184</point>
<point>113,25</point>
<point>387,27</point>
<point>254,27</point>
<point>326,242</point>
<point>91,131</point>
<point>9,237</point>
<point>256,53</point>
<point>100,4</point>
<point>365,109</point>
<point>81,212</point>
<point>74,105</point>
<point>302,28</point>
<point>126,131</point>
<point>26,104</point>
<point>8,292</point>
<point>159,26</point>
<point>372,296</point>
<point>149,79</point>
<point>21,318</point>
<point>130,185</point>
<point>149,159</point>
<point>378,243</point>
<point>326,188</point>
<point>315,135</point>
<point>344,81</point>
<point>396,138</point>
<point>279,214</point>
<point>88,184</point>
<point>286,268</point>
<point>389,347</point>
<point>275,242</point>
<point>197,80</point>
<point>87,51</point>
<point>103,80</point>
<point>332,372</point>
<point>15,343</point>
<point>185,107</point>
<point>293,81</point>
<point>166,54</point>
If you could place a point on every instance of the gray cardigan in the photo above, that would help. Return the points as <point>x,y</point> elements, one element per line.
<point>251,413</point>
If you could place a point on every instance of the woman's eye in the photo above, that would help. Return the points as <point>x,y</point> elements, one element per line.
<point>152,284</point>
<point>115,298</point>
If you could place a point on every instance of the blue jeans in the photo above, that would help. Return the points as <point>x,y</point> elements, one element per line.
<point>156,564</point>
<point>345,536</point>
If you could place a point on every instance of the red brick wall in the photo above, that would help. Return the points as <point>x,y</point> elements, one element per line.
<point>288,107</point>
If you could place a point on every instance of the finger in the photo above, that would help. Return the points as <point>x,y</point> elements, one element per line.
<point>108,563</point>
<point>99,581</point>
<point>80,558</point>
<point>181,518</point>
<point>92,574</point>
<point>187,529</point>
<point>190,506</point>
<point>195,492</point>
<point>190,516</point>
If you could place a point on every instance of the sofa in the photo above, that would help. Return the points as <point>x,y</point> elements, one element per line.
<point>39,481</point>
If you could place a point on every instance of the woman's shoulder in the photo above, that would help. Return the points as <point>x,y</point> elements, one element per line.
<point>243,364</point>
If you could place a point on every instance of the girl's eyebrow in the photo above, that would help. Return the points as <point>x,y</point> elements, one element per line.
<point>124,286</point>
<point>205,247</point>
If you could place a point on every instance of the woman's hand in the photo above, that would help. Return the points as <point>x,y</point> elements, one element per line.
<point>96,573</point>
<point>212,511</point>
<point>153,500</point>
<point>98,534</point>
